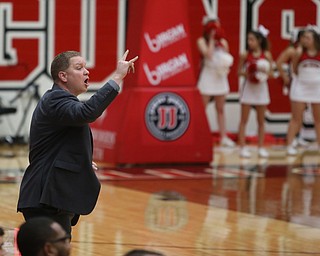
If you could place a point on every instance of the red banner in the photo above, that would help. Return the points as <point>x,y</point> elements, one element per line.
<point>161,36</point>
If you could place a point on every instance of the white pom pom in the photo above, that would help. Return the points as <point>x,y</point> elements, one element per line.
<point>263,65</point>
<point>261,76</point>
<point>222,62</point>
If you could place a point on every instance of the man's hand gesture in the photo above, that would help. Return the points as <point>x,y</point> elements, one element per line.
<point>124,67</point>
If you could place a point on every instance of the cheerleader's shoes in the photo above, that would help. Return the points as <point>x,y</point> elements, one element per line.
<point>300,142</point>
<point>263,153</point>
<point>294,143</point>
<point>227,142</point>
<point>245,153</point>
<point>291,151</point>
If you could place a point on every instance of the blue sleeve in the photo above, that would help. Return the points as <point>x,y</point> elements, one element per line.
<point>114,85</point>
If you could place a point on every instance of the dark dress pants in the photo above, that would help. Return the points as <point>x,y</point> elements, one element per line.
<point>64,218</point>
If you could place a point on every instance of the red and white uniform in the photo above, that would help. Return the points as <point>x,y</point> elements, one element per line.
<point>253,92</point>
<point>213,78</point>
<point>307,82</point>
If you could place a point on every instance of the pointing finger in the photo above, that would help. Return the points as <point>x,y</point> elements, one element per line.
<point>125,55</point>
<point>134,59</point>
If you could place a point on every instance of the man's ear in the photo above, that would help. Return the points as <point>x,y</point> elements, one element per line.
<point>49,249</point>
<point>62,76</point>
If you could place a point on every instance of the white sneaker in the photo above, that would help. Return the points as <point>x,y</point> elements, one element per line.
<point>245,153</point>
<point>295,143</point>
<point>227,142</point>
<point>291,151</point>
<point>263,153</point>
<point>302,142</point>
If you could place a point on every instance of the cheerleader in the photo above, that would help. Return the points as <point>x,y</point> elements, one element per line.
<point>306,67</point>
<point>284,66</point>
<point>284,60</point>
<point>255,67</point>
<point>213,79</point>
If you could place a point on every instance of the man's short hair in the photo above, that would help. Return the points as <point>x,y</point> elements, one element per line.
<point>1,231</point>
<point>33,234</point>
<point>61,63</point>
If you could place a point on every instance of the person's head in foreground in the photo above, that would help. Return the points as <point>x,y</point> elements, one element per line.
<point>43,236</point>
<point>2,250</point>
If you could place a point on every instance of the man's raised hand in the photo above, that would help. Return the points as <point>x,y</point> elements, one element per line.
<point>124,67</point>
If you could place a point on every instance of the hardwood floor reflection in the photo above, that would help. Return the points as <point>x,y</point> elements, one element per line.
<point>233,207</point>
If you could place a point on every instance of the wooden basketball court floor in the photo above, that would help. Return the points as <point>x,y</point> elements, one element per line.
<point>231,207</point>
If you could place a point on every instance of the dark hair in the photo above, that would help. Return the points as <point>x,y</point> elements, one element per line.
<point>299,35</point>
<point>33,234</point>
<point>61,63</point>
<point>316,38</point>
<point>263,42</point>
<point>139,252</point>
<point>1,231</point>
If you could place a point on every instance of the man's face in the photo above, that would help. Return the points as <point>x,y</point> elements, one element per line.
<point>61,244</point>
<point>307,39</point>
<point>253,42</point>
<point>77,76</point>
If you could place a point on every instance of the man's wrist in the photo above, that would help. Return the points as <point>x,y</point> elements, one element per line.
<point>117,78</point>
<point>114,84</point>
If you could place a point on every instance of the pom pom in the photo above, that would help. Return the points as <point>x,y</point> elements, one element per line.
<point>258,71</point>
<point>263,65</point>
<point>252,69</point>
<point>219,34</point>
<point>211,25</point>
<point>222,62</point>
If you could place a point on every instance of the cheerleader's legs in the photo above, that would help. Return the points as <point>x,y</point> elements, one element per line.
<point>261,110</point>
<point>295,123</point>
<point>245,111</point>
<point>316,118</point>
<point>219,104</point>
<point>205,100</point>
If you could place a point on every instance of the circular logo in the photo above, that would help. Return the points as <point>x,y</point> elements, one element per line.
<point>167,116</point>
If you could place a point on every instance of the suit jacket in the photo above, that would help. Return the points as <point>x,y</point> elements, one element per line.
<point>60,172</point>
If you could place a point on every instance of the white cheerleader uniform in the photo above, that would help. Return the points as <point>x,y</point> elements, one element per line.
<point>213,78</point>
<point>254,93</point>
<point>293,93</point>
<point>307,81</point>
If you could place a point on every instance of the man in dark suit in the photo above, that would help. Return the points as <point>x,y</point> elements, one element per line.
<point>60,182</point>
